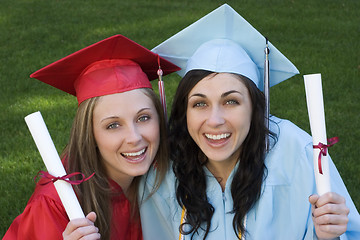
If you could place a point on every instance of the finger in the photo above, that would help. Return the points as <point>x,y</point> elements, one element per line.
<point>335,230</point>
<point>329,208</point>
<point>331,219</point>
<point>330,197</point>
<point>95,236</point>
<point>91,216</point>
<point>86,232</point>
<point>76,223</point>
<point>313,199</point>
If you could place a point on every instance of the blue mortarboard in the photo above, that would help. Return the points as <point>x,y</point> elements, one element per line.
<point>223,41</point>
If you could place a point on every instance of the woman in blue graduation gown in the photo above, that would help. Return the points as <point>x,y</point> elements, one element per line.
<point>224,184</point>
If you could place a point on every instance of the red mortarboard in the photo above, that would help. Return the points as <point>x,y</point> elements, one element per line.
<point>113,65</point>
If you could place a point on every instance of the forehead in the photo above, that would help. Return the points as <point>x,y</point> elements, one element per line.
<point>219,83</point>
<point>125,103</point>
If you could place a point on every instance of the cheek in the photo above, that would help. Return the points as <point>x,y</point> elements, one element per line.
<point>97,138</point>
<point>194,124</point>
<point>240,119</point>
<point>245,123</point>
<point>107,143</point>
<point>153,138</point>
<point>156,135</point>
<point>193,117</point>
<point>153,133</point>
<point>191,123</point>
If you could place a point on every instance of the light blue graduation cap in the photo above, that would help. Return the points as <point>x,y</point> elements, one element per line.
<point>223,41</point>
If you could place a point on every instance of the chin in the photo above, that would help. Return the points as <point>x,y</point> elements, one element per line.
<point>140,172</point>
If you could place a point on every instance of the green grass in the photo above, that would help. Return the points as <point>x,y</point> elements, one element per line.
<point>319,36</point>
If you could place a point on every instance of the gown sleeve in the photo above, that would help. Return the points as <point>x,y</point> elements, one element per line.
<point>44,217</point>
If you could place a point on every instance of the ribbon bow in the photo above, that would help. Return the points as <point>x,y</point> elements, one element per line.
<point>66,178</point>
<point>323,150</point>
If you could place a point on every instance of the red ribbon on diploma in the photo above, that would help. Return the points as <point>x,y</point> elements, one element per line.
<point>66,178</point>
<point>323,150</point>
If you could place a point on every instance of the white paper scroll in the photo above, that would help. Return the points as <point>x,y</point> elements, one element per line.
<point>53,164</point>
<point>315,104</point>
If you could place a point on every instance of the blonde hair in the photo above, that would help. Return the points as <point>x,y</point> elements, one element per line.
<point>82,155</point>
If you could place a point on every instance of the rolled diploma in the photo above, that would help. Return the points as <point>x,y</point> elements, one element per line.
<point>315,104</point>
<point>53,164</point>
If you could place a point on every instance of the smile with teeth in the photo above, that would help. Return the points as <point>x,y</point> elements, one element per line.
<point>218,136</point>
<point>134,154</point>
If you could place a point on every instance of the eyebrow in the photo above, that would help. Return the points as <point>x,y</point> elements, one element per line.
<point>230,92</point>
<point>197,95</point>
<point>115,117</point>
<point>222,95</point>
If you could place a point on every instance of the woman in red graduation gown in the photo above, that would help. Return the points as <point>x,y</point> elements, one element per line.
<point>115,140</point>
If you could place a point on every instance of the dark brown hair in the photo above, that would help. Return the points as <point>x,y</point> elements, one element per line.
<point>188,160</point>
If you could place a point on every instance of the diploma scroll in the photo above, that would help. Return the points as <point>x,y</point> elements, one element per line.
<point>53,164</point>
<point>315,105</point>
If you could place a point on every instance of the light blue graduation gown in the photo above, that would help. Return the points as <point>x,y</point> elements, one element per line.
<point>282,212</point>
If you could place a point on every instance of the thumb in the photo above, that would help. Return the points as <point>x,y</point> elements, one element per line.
<point>313,199</point>
<point>91,216</point>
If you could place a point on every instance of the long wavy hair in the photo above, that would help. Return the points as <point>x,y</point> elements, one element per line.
<point>188,160</point>
<point>82,155</point>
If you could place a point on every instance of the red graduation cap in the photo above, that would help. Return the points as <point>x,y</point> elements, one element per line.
<point>113,65</point>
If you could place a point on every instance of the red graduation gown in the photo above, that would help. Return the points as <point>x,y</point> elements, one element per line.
<point>44,217</point>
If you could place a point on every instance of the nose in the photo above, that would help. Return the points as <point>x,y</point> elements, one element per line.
<point>133,135</point>
<point>215,117</point>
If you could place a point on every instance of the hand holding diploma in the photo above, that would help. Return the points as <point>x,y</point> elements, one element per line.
<point>53,164</point>
<point>329,211</point>
<point>329,214</point>
<point>82,228</point>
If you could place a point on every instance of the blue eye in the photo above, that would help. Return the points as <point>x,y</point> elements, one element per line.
<point>143,118</point>
<point>231,102</point>
<point>113,125</point>
<point>199,104</point>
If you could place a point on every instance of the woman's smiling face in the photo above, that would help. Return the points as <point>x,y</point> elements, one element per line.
<point>127,133</point>
<point>219,114</point>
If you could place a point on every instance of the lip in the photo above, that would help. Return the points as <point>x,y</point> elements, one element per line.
<point>133,157</point>
<point>217,139</point>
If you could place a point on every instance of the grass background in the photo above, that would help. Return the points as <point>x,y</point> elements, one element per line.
<point>318,36</point>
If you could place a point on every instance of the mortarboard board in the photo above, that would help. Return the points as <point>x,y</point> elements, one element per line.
<point>113,65</point>
<point>223,41</point>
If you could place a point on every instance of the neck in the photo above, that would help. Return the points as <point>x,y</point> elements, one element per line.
<point>221,171</point>
<point>124,184</point>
